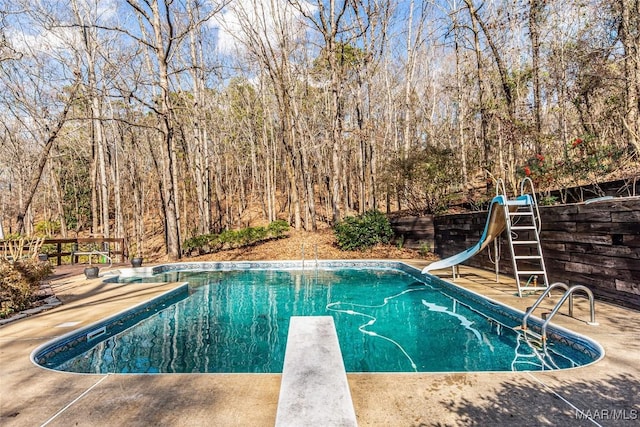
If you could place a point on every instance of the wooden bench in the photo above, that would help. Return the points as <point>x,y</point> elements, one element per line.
<point>90,251</point>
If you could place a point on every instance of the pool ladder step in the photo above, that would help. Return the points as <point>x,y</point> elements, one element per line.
<point>533,338</point>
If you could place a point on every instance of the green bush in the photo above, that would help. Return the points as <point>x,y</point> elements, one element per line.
<point>194,243</point>
<point>363,231</point>
<point>277,228</point>
<point>47,228</point>
<point>425,249</point>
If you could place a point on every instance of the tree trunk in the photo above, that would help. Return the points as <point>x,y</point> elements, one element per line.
<point>535,7</point>
<point>484,134</point>
<point>163,42</point>
<point>461,112</point>
<point>90,46</point>
<point>42,161</point>
<point>199,131</point>
<point>630,37</point>
<point>59,203</point>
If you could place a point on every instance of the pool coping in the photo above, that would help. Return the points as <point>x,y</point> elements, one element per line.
<point>603,391</point>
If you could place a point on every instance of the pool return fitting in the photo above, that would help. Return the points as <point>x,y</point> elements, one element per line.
<point>568,294</point>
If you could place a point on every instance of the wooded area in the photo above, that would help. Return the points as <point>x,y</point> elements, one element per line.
<point>208,115</point>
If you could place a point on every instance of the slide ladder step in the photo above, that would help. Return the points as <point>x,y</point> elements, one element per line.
<point>523,227</point>
<point>518,202</point>
<point>521,213</point>
<point>525,206</point>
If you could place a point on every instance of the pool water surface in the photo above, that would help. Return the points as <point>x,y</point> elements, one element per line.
<point>387,320</point>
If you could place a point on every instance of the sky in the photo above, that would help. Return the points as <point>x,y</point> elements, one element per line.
<point>229,24</point>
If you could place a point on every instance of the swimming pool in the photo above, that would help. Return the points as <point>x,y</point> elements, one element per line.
<point>234,317</point>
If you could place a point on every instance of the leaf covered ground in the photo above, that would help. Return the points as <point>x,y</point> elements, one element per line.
<point>299,244</point>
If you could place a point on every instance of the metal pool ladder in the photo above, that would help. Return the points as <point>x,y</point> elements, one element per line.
<point>568,294</point>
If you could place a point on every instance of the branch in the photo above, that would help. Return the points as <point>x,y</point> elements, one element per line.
<point>37,173</point>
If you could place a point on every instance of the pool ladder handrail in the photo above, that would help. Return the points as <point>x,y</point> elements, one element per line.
<point>568,294</point>
<point>316,255</point>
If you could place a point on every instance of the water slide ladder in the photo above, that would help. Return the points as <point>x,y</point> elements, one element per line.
<point>568,294</point>
<point>523,234</point>
<point>520,218</point>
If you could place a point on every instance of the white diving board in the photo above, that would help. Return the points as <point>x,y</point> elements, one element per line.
<point>314,390</point>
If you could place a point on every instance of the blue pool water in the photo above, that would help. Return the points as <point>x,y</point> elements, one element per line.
<point>387,320</point>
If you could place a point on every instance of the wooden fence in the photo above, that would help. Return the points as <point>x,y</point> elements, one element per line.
<point>592,244</point>
<point>72,251</point>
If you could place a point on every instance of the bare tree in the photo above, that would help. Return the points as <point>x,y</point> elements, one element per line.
<point>162,34</point>
<point>36,176</point>
<point>268,38</point>
<point>629,32</point>
<point>535,10</point>
<point>326,108</point>
<point>86,25</point>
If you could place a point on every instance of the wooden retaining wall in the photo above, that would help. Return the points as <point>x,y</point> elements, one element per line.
<point>593,244</point>
<point>597,245</point>
<point>414,232</point>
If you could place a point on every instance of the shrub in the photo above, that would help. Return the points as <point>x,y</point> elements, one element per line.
<point>277,228</point>
<point>424,249</point>
<point>47,228</point>
<point>424,180</point>
<point>18,282</point>
<point>20,247</point>
<point>363,231</point>
<point>194,243</point>
<point>229,239</point>
<point>33,270</point>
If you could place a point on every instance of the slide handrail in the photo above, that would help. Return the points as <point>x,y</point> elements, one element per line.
<point>527,180</point>
<point>500,186</point>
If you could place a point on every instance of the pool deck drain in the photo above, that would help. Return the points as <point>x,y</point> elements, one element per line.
<point>606,391</point>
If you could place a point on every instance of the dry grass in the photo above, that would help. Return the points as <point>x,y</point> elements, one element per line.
<point>320,244</point>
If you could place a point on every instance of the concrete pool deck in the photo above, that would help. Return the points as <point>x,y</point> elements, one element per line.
<point>608,391</point>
